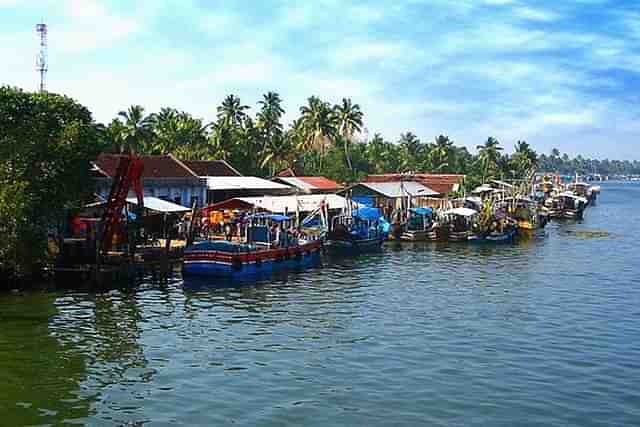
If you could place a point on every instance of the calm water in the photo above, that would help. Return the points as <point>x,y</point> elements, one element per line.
<point>542,333</point>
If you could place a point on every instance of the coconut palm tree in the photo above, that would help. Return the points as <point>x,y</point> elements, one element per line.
<point>137,130</point>
<point>489,156</point>
<point>318,125</point>
<point>232,113</point>
<point>441,153</point>
<point>349,121</point>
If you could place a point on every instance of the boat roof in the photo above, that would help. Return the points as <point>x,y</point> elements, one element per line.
<point>422,211</point>
<point>461,211</point>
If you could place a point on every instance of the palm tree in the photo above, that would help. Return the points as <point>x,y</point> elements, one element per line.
<point>115,136</point>
<point>349,121</point>
<point>412,151</point>
<point>232,113</point>
<point>270,128</point>
<point>524,159</point>
<point>441,153</point>
<point>318,124</point>
<point>489,156</point>
<point>137,130</point>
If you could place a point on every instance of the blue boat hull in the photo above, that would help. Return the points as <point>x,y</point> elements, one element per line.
<point>353,247</point>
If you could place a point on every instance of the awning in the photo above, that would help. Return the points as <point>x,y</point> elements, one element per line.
<point>159,205</point>
<point>370,214</point>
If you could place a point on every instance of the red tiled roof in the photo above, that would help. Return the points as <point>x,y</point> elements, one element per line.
<point>154,166</point>
<point>320,182</point>
<point>211,168</point>
<point>441,183</point>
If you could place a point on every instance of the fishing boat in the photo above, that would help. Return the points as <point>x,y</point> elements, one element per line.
<point>459,224</point>
<point>582,189</point>
<point>502,230</point>
<point>269,245</point>
<point>363,230</point>
<point>420,226</point>
<point>567,205</point>
<point>525,212</point>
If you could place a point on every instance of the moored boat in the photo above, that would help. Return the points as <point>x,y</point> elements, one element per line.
<point>268,247</point>
<point>567,205</point>
<point>420,226</point>
<point>363,231</point>
<point>458,224</point>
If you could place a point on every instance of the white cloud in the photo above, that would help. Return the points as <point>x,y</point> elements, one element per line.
<point>535,14</point>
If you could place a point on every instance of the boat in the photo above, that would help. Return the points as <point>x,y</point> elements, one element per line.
<point>567,205</point>
<point>525,212</point>
<point>458,224</point>
<point>363,230</point>
<point>420,226</point>
<point>269,246</point>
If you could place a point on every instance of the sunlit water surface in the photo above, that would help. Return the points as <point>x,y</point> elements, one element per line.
<point>539,333</point>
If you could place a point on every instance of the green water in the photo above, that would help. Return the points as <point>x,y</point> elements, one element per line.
<point>538,333</point>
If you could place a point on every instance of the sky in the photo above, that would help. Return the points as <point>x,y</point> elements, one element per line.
<point>558,74</point>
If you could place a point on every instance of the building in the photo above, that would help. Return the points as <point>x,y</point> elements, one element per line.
<point>164,177</point>
<point>389,195</point>
<point>186,182</point>
<point>310,184</point>
<point>440,183</point>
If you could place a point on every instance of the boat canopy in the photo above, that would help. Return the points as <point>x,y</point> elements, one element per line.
<point>573,196</point>
<point>422,211</point>
<point>461,212</point>
<point>272,217</point>
<point>368,214</point>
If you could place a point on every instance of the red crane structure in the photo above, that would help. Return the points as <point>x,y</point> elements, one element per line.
<point>128,174</point>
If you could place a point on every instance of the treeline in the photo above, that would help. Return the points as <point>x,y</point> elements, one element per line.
<point>322,140</point>
<point>555,162</point>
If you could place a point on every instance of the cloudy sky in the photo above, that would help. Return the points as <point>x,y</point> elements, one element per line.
<point>559,74</point>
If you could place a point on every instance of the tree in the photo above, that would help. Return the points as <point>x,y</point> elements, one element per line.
<point>137,132</point>
<point>46,143</point>
<point>232,113</point>
<point>318,125</point>
<point>524,159</point>
<point>441,154</point>
<point>271,131</point>
<point>489,156</point>
<point>412,150</point>
<point>349,121</point>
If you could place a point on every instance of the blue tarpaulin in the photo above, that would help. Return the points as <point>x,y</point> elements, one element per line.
<point>364,200</point>
<point>422,211</point>
<point>370,214</point>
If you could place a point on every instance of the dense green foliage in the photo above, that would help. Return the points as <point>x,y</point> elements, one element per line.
<point>323,140</point>
<point>46,143</point>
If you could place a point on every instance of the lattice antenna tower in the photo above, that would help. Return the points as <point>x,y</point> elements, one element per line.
<point>41,59</point>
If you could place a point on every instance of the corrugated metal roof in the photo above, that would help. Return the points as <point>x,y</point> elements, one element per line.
<point>242,183</point>
<point>442,183</point>
<point>310,182</point>
<point>305,203</point>
<point>397,189</point>
<point>158,205</point>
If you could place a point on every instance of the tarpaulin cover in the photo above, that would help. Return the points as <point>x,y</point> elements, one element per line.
<point>422,211</point>
<point>370,214</point>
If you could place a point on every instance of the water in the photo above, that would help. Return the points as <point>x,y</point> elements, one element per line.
<point>541,333</point>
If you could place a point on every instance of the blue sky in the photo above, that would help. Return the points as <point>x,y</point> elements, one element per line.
<point>555,73</point>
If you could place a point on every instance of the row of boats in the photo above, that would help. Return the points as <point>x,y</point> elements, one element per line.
<point>490,216</point>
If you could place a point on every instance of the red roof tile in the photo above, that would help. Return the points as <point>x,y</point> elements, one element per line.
<point>154,166</point>
<point>211,168</point>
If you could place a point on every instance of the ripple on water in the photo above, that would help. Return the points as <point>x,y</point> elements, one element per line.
<point>538,333</point>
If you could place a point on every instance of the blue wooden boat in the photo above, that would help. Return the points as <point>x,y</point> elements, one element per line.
<point>265,250</point>
<point>506,236</point>
<point>363,231</point>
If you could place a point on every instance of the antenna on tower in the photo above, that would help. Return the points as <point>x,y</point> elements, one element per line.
<point>41,59</point>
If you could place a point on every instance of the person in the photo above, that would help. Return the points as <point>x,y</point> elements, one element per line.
<point>227,231</point>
